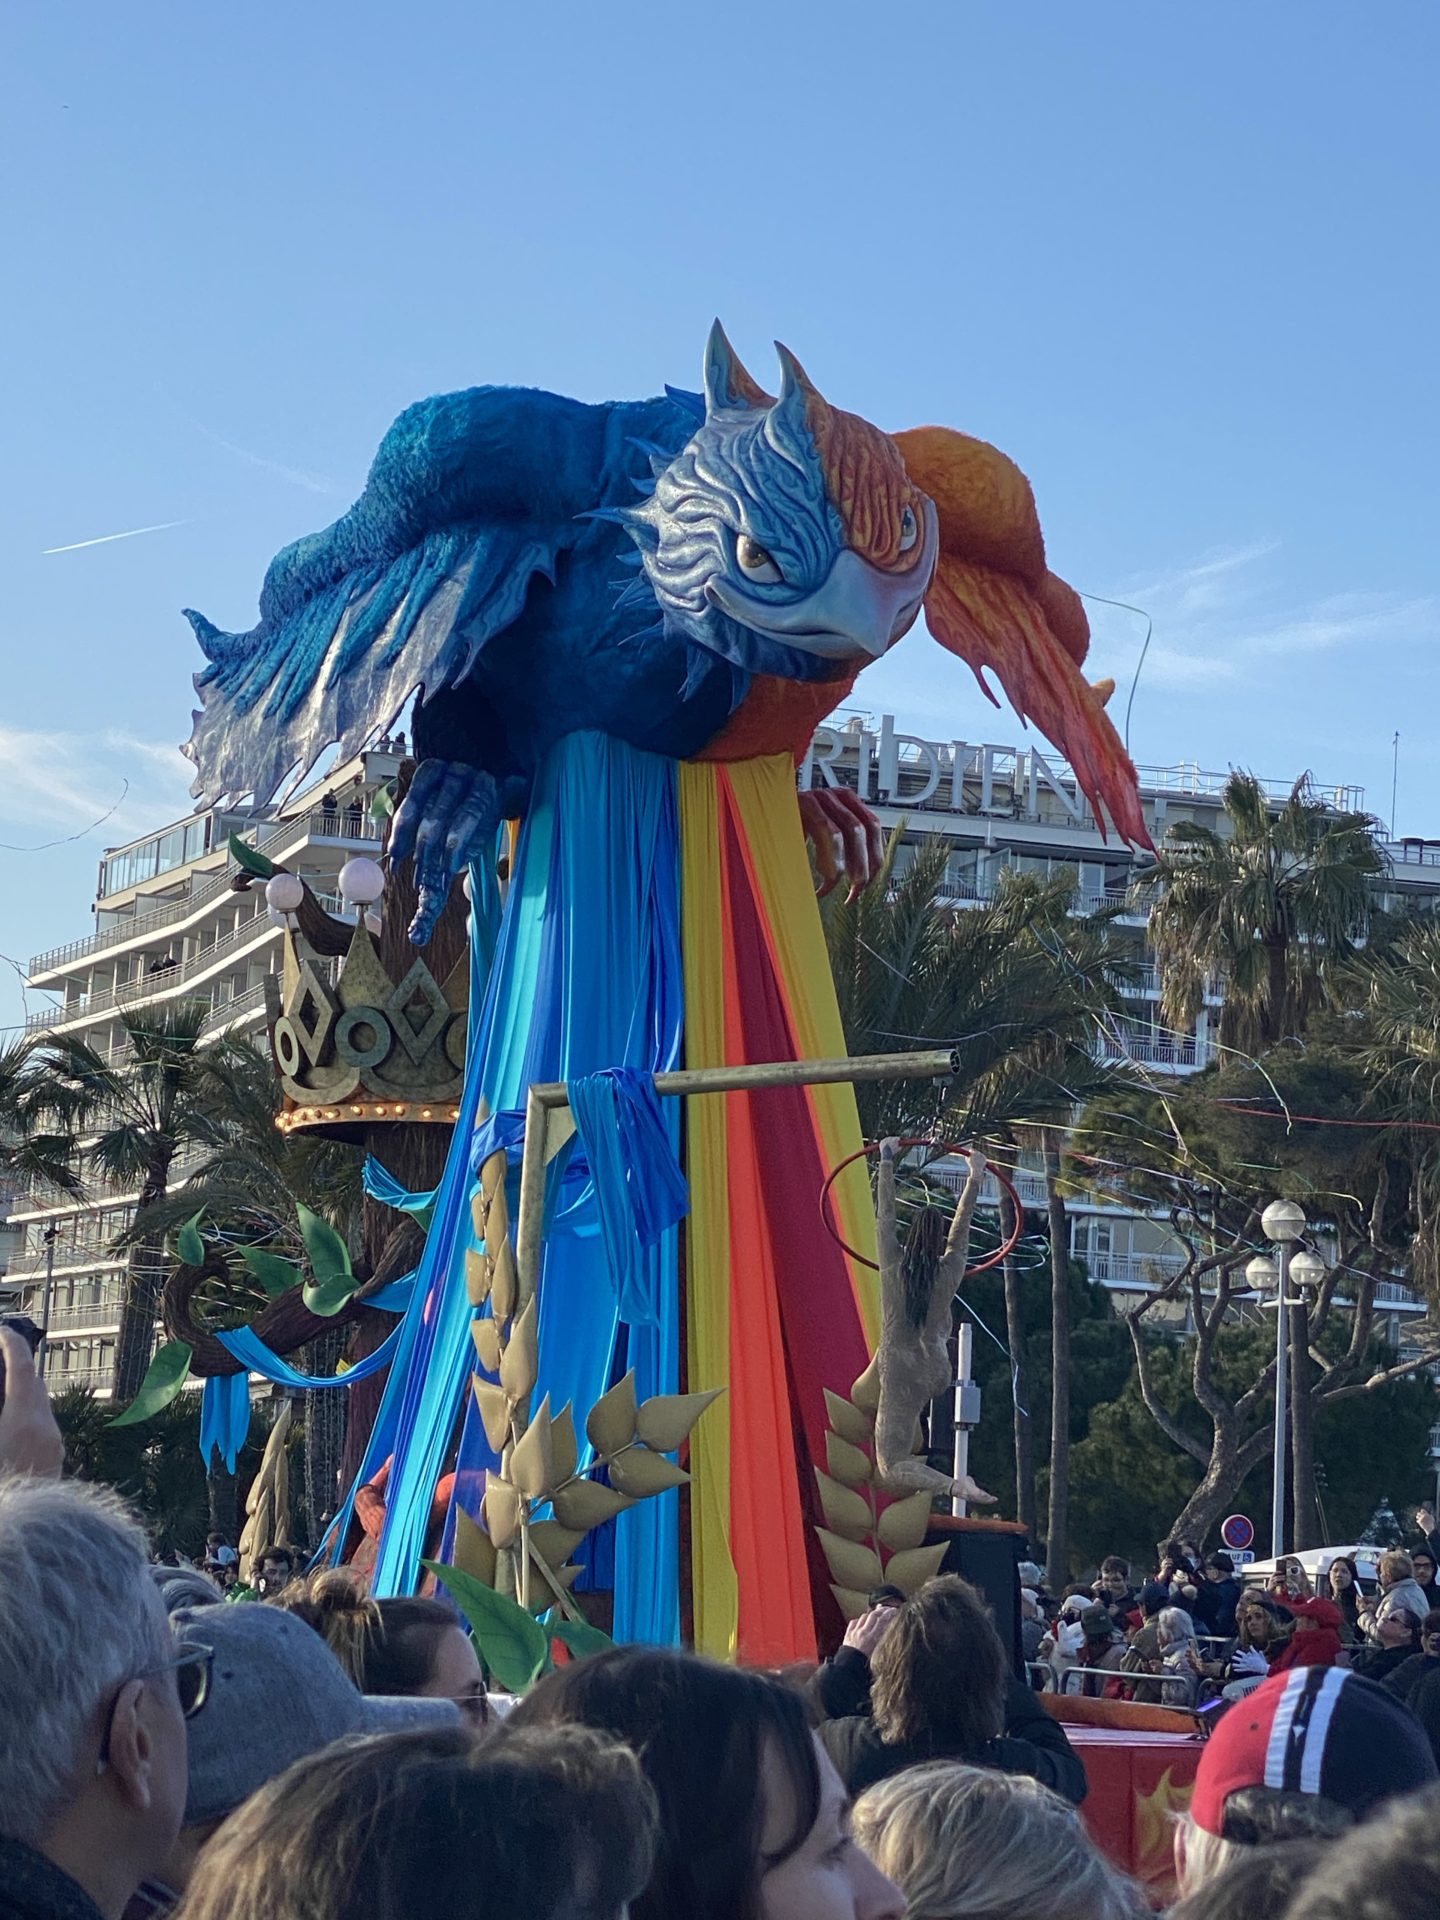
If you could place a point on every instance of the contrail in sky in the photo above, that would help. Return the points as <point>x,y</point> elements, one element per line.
<point>105,538</point>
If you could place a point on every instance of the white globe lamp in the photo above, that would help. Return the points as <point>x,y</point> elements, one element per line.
<point>1282,1221</point>
<point>362,881</point>
<point>284,892</point>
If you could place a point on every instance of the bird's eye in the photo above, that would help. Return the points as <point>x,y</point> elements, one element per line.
<point>755,562</point>
<point>909,529</point>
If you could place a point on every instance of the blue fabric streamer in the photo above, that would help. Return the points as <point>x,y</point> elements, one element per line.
<point>636,1184</point>
<point>224,1417</point>
<point>253,1354</point>
<point>586,976</point>
<point>381,1185</point>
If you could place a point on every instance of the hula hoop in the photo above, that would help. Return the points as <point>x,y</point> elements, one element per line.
<point>942,1146</point>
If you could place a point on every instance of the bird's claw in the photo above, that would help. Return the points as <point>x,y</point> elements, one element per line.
<point>846,837</point>
<point>447,818</point>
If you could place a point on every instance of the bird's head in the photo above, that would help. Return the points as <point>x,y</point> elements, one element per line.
<point>785,536</point>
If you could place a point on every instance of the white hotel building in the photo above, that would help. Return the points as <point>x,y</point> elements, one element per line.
<point>170,924</point>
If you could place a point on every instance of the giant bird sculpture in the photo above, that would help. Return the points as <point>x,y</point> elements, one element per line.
<point>623,623</point>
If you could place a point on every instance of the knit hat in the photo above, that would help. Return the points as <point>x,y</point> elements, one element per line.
<point>1317,1730</point>
<point>1323,1612</point>
<point>277,1693</point>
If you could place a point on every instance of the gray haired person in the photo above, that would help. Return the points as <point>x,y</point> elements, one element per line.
<point>94,1692</point>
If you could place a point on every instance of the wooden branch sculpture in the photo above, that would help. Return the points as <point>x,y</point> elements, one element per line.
<point>913,1360</point>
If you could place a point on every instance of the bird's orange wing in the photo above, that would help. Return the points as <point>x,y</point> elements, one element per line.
<point>995,603</point>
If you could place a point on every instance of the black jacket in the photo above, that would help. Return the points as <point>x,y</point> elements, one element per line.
<point>33,1888</point>
<point>1403,1680</point>
<point>1031,1743</point>
<point>1214,1609</point>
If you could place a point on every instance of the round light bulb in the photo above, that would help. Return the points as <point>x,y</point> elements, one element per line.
<point>1261,1274</point>
<point>284,892</point>
<point>362,880</point>
<point>1282,1220</point>
<point>1306,1268</point>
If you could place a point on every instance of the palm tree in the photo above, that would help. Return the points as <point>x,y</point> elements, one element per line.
<point>1021,988</point>
<point>1275,907</point>
<point>1397,991</point>
<point>34,1152</point>
<point>132,1119</point>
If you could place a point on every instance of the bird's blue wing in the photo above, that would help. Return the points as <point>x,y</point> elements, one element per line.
<point>471,495</point>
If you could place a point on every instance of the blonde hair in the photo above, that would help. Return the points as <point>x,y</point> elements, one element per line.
<point>1396,1566</point>
<point>1200,1855</point>
<point>341,1612</point>
<point>967,1843</point>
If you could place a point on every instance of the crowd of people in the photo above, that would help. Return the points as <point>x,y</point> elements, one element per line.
<point>322,1755</point>
<point>1193,1635</point>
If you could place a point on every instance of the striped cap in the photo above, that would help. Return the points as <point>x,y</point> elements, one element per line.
<point>1315,1730</point>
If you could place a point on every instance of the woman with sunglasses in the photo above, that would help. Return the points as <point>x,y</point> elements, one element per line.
<point>414,1647</point>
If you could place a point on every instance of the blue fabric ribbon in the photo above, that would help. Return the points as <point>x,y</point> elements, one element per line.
<point>637,1187</point>
<point>253,1354</point>
<point>224,1417</point>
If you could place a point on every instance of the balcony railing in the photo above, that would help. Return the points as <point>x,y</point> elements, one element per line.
<point>1154,1052</point>
<point>95,1313</point>
<point>97,1379</point>
<point>317,824</point>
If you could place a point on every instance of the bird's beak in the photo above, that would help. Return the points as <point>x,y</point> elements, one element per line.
<point>858,611</point>
<point>992,620</point>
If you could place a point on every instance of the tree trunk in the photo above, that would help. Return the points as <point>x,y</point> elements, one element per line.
<point>222,1492</point>
<point>1057,1529</point>
<point>1020,1409</point>
<point>1302,1433</point>
<point>324,1435</point>
<point>144,1280</point>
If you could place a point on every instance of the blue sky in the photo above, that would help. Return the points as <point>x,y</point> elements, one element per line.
<point>1178,262</point>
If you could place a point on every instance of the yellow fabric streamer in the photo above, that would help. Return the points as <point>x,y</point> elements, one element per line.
<point>714,1588</point>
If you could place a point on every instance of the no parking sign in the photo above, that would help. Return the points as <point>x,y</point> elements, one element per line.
<point>1238,1533</point>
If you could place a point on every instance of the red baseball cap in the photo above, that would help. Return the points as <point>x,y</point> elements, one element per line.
<point>1317,1730</point>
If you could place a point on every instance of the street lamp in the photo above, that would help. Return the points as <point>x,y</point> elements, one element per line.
<point>1435,1460</point>
<point>1282,1223</point>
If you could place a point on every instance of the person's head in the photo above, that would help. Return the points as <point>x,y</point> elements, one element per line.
<point>277,1694</point>
<point>1032,1575</point>
<point>752,1814</point>
<point>1097,1626</point>
<point>1219,1566</point>
<point>1423,1562</point>
<point>968,1843</point>
<point>1343,1576</point>
<point>1154,1598</point>
<point>941,1669</point>
<point>1388,1869</point>
<point>414,1646</point>
<point>185,1587</point>
<point>1399,1628</point>
<point>92,1765</point>
<point>555,1826</point>
<point>1256,1885</point>
<point>1257,1624</point>
<point>1430,1633</point>
<point>275,1571</point>
<point>1304,1756</point>
<point>1395,1566</point>
<point>1115,1576</point>
<point>1174,1628</point>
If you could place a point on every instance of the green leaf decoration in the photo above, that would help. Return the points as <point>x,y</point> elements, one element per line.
<point>244,855</point>
<point>579,1636</point>
<point>382,802</point>
<point>275,1275</point>
<point>167,1374</point>
<point>188,1242</point>
<point>333,1281</point>
<point>513,1645</point>
<point>326,1297</point>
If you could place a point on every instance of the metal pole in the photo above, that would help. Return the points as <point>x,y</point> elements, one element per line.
<point>963,1356</point>
<point>1282,1388</point>
<point>51,1234</point>
<point>544,1138</point>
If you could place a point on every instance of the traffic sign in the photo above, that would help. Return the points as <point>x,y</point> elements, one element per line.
<point>1241,1556</point>
<point>1237,1532</point>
